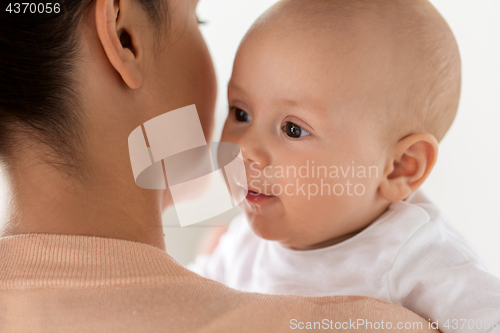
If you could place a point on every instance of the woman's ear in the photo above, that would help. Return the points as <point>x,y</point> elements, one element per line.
<point>117,30</point>
<point>409,164</point>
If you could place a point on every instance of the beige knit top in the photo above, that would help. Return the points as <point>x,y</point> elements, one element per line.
<point>63,283</point>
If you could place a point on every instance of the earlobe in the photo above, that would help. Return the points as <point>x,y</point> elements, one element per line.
<point>118,41</point>
<point>409,165</point>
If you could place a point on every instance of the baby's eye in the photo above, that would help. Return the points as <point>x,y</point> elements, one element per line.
<point>241,115</point>
<point>294,131</point>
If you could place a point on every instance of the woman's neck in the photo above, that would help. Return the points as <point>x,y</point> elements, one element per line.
<point>42,199</point>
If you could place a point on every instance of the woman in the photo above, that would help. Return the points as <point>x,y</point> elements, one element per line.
<point>82,246</point>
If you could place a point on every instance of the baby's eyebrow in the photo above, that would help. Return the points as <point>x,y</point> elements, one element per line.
<point>296,102</point>
<point>289,102</point>
<point>233,86</point>
<point>285,101</point>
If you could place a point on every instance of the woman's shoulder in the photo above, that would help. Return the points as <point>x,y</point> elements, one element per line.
<point>101,284</point>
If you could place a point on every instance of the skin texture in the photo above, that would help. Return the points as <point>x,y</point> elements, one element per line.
<point>354,80</point>
<point>121,87</point>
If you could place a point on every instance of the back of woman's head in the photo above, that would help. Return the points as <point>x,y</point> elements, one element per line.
<point>39,102</point>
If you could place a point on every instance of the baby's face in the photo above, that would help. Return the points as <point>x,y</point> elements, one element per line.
<point>301,113</point>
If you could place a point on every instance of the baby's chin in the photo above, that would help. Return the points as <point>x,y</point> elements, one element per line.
<point>266,227</point>
<point>274,229</point>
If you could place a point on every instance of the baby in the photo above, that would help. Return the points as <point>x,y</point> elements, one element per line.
<point>338,107</point>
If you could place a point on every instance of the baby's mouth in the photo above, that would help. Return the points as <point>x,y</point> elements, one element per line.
<point>255,197</point>
<point>254,193</point>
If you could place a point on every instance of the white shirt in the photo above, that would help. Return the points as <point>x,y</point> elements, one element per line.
<point>409,256</point>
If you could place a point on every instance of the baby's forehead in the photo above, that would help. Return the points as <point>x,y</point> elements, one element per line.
<point>304,59</point>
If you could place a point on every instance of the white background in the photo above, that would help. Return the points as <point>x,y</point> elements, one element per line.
<point>466,179</point>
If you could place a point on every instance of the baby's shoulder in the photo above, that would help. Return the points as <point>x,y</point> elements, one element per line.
<point>429,233</point>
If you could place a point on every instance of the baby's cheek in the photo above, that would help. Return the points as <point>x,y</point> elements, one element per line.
<point>334,194</point>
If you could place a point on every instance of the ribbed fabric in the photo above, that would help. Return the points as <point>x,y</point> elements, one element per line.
<point>45,260</point>
<point>62,283</point>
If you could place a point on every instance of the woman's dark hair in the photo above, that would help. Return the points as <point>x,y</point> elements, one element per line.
<point>38,100</point>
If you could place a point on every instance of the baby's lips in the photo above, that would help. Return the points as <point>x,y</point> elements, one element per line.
<point>251,190</point>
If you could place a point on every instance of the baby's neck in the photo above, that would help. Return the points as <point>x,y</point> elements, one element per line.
<point>326,243</point>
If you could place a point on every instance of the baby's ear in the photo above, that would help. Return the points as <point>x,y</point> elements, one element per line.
<point>408,165</point>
